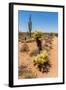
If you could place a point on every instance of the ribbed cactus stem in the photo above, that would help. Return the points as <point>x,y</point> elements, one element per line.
<point>30,25</point>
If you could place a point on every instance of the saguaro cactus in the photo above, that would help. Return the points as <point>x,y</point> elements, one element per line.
<point>30,25</point>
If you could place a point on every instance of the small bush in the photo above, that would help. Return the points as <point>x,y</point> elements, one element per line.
<point>25,72</point>
<point>25,48</point>
<point>22,69</point>
<point>29,75</point>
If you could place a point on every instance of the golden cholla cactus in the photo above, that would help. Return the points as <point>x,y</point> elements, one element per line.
<point>40,58</point>
<point>37,33</point>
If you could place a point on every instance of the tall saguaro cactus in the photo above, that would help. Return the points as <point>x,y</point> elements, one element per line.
<point>30,25</point>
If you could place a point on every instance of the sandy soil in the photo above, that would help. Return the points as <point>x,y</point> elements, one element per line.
<point>25,59</point>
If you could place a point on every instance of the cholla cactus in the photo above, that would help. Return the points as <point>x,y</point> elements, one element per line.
<point>40,58</point>
<point>42,61</point>
<point>37,35</point>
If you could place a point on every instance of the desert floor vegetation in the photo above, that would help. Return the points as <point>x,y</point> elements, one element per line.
<point>37,55</point>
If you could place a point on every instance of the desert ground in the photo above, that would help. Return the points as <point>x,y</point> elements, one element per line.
<point>25,59</point>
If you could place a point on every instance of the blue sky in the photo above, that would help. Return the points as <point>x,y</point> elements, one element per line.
<point>45,21</point>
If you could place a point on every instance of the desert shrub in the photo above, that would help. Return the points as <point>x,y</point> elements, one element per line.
<point>29,75</point>
<point>22,69</point>
<point>25,72</point>
<point>42,61</point>
<point>56,34</point>
<point>30,40</point>
<point>24,48</point>
<point>47,46</point>
<point>48,42</point>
